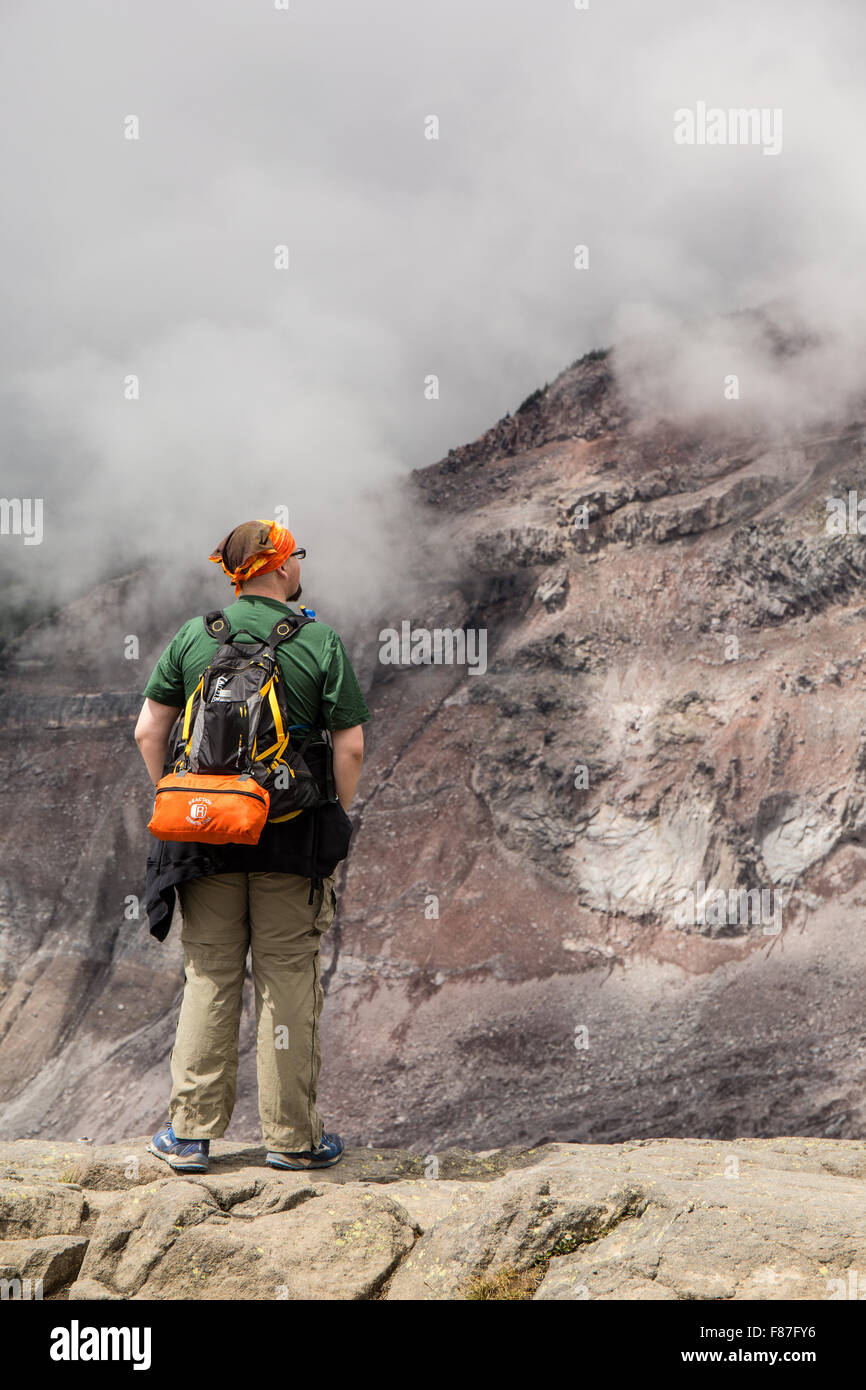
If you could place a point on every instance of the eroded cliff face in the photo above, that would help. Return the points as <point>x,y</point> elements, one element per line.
<point>672,698</point>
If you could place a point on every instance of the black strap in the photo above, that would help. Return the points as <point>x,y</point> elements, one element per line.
<point>286,627</point>
<point>330,780</point>
<point>315,878</point>
<point>217,625</point>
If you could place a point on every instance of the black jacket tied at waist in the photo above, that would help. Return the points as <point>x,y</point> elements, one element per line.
<point>312,844</point>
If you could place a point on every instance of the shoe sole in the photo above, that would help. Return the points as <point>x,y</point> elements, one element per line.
<point>302,1167</point>
<point>178,1167</point>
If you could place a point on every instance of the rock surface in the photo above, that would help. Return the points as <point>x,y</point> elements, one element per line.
<point>648,1219</point>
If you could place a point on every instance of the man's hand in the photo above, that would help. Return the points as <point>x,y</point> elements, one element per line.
<point>151,735</point>
<point>348,757</point>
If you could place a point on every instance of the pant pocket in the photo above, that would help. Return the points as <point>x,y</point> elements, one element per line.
<point>325,914</point>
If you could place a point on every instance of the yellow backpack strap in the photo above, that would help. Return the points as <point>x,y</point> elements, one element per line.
<point>282,630</point>
<point>187,718</point>
<point>282,736</point>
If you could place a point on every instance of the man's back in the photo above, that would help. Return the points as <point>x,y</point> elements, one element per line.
<point>321,688</point>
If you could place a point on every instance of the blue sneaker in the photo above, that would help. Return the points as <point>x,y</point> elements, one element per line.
<point>327,1152</point>
<point>183,1155</point>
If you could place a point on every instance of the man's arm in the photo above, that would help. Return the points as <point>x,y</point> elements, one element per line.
<point>151,735</point>
<point>348,757</point>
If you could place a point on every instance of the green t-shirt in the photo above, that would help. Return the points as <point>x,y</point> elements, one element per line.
<point>321,687</point>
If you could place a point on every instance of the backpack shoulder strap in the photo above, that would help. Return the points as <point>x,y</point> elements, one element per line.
<point>286,627</point>
<point>217,625</point>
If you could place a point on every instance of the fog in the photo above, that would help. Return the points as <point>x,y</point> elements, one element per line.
<point>408,257</point>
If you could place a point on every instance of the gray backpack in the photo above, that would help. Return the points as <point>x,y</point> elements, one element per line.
<point>236,721</point>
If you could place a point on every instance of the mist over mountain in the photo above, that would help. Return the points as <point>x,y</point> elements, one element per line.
<point>160,376</point>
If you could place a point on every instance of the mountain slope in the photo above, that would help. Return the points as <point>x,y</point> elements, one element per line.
<point>672,698</point>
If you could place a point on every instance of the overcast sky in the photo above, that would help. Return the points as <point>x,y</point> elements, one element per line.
<point>407,256</point>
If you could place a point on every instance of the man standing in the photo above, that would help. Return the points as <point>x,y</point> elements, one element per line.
<point>275,898</point>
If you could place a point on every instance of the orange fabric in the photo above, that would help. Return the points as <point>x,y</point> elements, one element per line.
<point>209,809</point>
<point>255,547</point>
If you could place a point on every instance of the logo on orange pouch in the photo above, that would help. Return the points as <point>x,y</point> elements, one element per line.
<point>198,811</point>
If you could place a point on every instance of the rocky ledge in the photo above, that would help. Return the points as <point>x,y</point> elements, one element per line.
<point>647,1219</point>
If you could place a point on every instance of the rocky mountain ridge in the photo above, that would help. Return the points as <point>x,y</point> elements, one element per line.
<point>672,699</point>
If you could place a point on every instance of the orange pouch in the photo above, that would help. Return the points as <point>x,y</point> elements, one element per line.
<point>210,809</point>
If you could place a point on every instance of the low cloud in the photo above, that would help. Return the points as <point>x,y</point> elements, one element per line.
<point>409,257</point>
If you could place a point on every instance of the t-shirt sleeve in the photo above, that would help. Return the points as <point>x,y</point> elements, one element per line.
<point>166,679</point>
<point>343,705</point>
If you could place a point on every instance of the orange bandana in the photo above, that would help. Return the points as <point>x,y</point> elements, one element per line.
<point>255,547</point>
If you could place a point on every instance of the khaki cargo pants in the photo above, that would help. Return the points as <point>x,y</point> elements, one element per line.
<point>224,916</point>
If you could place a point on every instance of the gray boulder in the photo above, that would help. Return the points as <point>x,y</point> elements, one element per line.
<point>260,1238</point>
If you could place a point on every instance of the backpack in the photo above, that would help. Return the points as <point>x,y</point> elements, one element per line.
<point>231,766</point>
